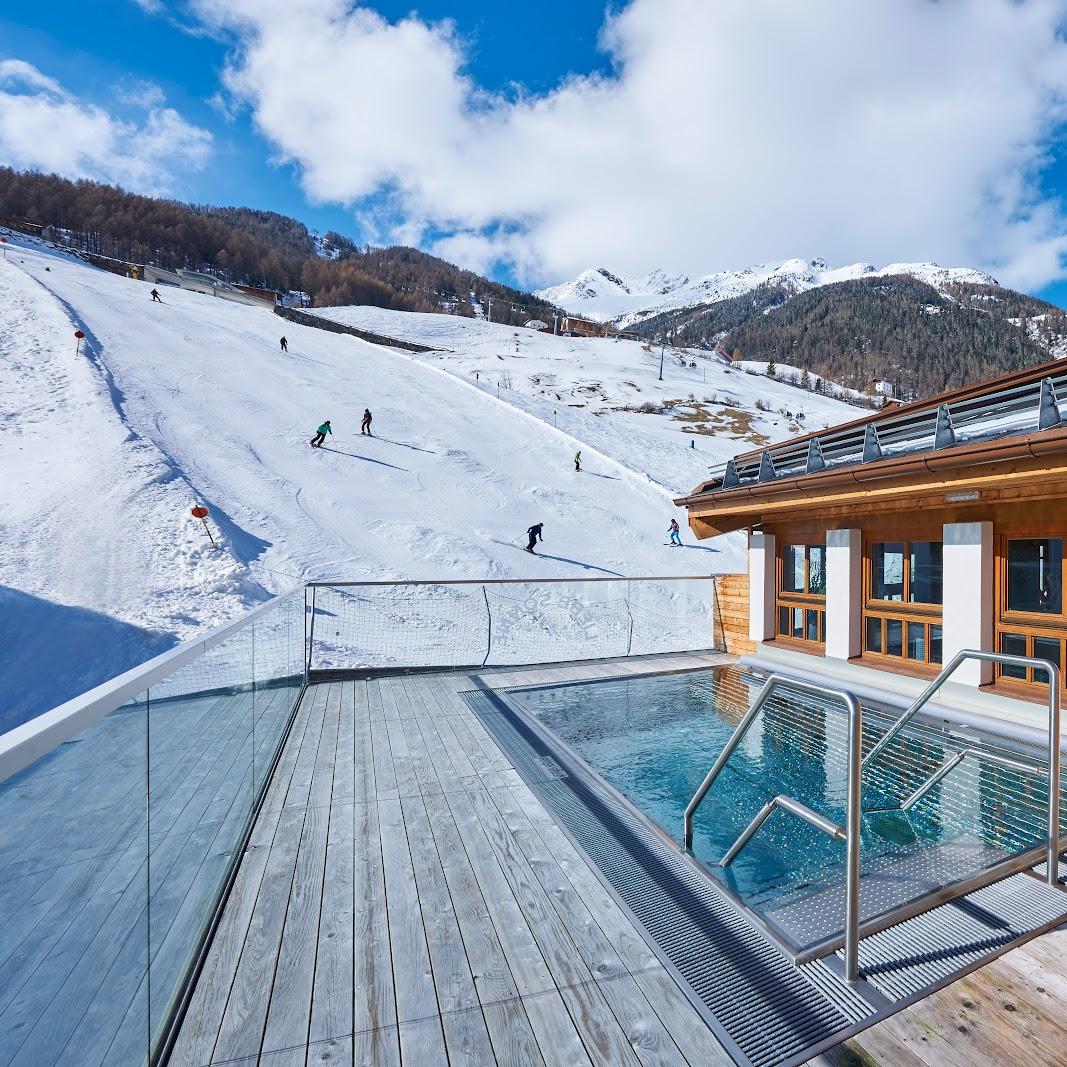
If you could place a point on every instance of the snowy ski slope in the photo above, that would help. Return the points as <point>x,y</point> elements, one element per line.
<point>104,451</point>
<point>591,387</point>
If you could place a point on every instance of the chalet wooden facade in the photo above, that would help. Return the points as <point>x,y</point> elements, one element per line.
<point>882,547</point>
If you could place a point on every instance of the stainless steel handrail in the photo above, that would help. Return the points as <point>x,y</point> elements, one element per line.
<point>951,764</point>
<point>853,801</point>
<point>793,807</point>
<point>1052,673</point>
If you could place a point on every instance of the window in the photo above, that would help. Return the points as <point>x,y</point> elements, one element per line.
<point>1034,575</point>
<point>802,593</point>
<point>925,571</point>
<point>888,581</point>
<point>1031,618</point>
<point>904,592</point>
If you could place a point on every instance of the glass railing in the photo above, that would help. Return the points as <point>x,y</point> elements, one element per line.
<point>382,625</point>
<point>122,814</point>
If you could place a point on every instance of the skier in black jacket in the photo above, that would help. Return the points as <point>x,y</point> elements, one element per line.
<point>534,533</point>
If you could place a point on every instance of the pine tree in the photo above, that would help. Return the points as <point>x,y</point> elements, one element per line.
<point>772,369</point>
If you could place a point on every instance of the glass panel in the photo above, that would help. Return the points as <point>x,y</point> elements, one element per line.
<point>917,641</point>
<point>822,625</point>
<point>797,626</point>
<point>1046,648</point>
<point>74,896</point>
<point>817,569</point>
<point>926,572</point>
<point>812,633</point>
<point>1034,580</point>
<point>874,634</point>
<point>793,569</point>
<point>1015,645</point>
<point>783,621</point>
<point>894,637</point>
<point>935,643</point>
<point>887,566</point>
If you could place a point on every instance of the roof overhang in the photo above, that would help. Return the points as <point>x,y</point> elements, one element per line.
<point>1030,466</point>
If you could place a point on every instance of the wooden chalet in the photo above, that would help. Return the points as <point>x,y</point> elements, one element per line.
<point>880,548</point>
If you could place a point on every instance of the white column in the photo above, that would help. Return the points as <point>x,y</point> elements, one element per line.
<point>968,588</point>
<point>760,586</point>
<point>844,593</point>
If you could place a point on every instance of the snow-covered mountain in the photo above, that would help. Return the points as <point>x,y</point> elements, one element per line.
<point>599,294</point>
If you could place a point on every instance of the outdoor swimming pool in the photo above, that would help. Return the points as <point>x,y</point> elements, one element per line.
<point>654,738</point>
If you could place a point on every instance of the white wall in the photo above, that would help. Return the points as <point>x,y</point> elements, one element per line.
<point>968,606</point>
<point>760,586</point>
<point>844,593</point>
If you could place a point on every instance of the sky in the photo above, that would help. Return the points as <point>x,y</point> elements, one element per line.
<point>532,142</point>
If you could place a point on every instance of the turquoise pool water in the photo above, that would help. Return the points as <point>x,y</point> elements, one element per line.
<point>655,737</point>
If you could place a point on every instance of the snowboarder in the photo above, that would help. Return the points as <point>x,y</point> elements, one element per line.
<point>364,426</point>
<point>534,534</point>
<point>156,298</point>
<point>577,461</point>
<point>284,344</point>
<point>320,434</point>
<point>675,533</point>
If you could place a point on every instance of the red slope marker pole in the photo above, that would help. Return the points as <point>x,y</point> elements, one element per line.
<point>200,513</point>
<point>78,336</point>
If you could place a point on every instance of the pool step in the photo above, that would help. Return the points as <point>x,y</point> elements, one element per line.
<point>817,918</point>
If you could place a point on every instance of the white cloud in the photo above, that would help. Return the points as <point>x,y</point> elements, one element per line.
<point>729,132</point>
<point>44,126</point>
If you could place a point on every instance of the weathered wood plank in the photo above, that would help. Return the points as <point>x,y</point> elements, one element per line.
<point>333,993</point>
<point>288,1017</point>
<point>376,1039</point>
<point>416,998</point>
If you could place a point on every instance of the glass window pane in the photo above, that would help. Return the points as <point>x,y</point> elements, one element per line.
<point>797,627</point>
<point>817,569</point>
<point>1046,648</point>
<point>917,641</point>
<point>887,566</point>
<point>1015,645</point>
<point>822,625</point>
<point>793,568</point>
<point>894,637</point>
<point>812,623</point>
<point>874,635</point>
<point>935,643</point>
<point>1034,580</point>
<point>925,587</point>
<point>783,620</point>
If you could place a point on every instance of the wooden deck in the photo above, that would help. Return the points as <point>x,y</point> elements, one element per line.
<point>1010,1011</point>
<point>406,899</point>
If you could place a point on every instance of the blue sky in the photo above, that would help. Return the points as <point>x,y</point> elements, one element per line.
<point>92,54</point>
<point>716,136</point>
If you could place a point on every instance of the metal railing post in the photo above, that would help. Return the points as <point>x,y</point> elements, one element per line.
<point>311,630</point>
<point>1052,849</point>
<point>853,830</point>
<point>489,636</point>
<point>305,656</point>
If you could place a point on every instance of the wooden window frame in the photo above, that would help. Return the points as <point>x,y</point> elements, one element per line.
<point>805,601</point>
<point>903,611</point>
<point>1028,624</point>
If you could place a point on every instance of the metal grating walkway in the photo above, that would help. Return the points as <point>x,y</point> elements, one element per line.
<point>765,1011</point>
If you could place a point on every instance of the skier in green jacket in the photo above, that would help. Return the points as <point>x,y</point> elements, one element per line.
<point>320,434</point>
